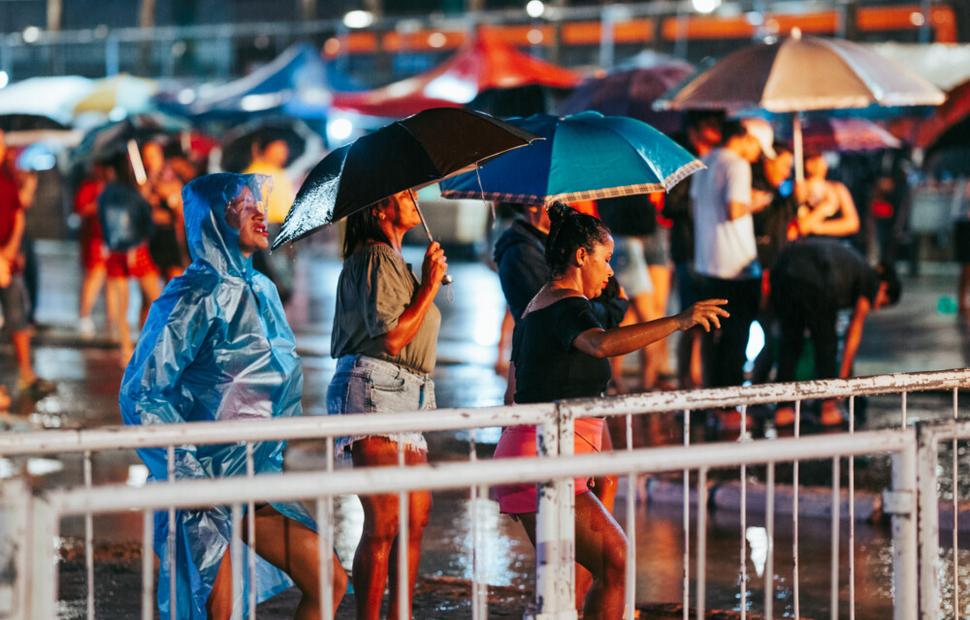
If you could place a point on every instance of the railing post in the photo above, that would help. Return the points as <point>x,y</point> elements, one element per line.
<point>43,565</point>
<point>927,458</point>
<point>905,552</point>
<point>14,554</point>
<point>555,570</point>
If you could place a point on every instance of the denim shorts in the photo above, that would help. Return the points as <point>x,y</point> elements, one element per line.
<point>368,385</point>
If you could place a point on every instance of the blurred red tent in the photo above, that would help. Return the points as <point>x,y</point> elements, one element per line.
<point>945,127</point>
<point>484,63</point>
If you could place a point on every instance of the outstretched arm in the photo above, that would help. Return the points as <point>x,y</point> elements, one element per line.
<point>602,343</point>
<point>853,336</point>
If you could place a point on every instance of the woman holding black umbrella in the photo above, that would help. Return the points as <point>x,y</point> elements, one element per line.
<point>385,336</point>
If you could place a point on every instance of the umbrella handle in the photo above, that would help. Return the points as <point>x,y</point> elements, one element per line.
<point>447,279</point>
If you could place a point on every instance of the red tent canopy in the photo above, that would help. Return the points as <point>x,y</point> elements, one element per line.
<point>952,111</point>
<point>485,62</point>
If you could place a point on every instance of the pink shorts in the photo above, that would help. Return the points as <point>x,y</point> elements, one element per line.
<point>520,441</point>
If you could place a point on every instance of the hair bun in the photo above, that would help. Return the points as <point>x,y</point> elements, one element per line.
<point>558,212</point>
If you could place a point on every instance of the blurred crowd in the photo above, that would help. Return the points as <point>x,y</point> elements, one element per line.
<point>793,256</point>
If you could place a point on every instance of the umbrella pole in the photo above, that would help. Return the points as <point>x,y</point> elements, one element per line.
<point>797,148</point>
<point>447,279</point>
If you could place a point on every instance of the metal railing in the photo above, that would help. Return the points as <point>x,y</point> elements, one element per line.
<point>932,440</point>
<point>554,591</point>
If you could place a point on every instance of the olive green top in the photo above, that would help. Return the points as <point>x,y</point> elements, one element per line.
<point>374,289</point>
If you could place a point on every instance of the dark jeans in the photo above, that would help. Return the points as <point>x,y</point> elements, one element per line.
<point>724,349</point>
<point>798,309</point>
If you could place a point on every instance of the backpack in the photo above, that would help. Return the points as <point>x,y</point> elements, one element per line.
<point>126,217</point>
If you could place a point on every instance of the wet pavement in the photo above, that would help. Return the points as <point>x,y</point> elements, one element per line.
<point>911,337</point>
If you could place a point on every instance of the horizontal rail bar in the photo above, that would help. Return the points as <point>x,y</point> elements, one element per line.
<point>303,427</point>
<point>769,393</point>
<point>298,486</point>
<point>944,430</point>
<point>318,427</point>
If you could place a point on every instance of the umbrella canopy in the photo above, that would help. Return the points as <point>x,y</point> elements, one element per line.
<point>29,122</point>
<point>648,59</point>
<point>485,62</point>
<point>238,143</point>
<point>801,74</point>
<point>410,153</point>
<point>586,156</point>
<point>45,96</point>
<point>846,135</point>
<point>631,92</point>
<point>294,84</point>
<point>21,130</point>
<point>111,139</point>
<point>125,92</point>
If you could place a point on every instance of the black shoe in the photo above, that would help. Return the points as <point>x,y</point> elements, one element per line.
<point>39,388</point>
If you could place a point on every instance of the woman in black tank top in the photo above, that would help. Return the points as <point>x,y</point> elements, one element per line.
<point>560,350</point>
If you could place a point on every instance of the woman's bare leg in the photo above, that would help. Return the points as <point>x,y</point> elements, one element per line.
<point>93,281</point>
<point>291,547</point>
<point>419,507</point>
<point>151,288</point>
<point>605,489</point>
<point>375,553</point>
<point>600,549</point>
<point>117,301</point>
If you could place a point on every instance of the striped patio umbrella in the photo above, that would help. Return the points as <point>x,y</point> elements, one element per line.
<point>846,135</point>
<point>802,74</point>
<point>584,156</point>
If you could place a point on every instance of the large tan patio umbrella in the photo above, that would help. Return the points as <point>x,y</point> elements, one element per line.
<point>802,74</point>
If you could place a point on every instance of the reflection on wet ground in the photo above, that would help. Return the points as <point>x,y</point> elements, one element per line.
<point>908,338</point>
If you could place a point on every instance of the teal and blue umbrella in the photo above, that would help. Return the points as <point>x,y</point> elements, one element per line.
<point>584,156</point>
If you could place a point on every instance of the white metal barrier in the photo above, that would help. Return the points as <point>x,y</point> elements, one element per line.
<point>554,587</point>
<point>931,438</point>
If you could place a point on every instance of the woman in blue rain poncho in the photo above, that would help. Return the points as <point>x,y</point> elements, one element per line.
<point>216,346</point>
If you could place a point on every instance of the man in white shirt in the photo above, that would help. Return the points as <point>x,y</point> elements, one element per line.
<point>725,253</point>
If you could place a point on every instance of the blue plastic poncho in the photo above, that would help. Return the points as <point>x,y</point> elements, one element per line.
<point>216,346</point>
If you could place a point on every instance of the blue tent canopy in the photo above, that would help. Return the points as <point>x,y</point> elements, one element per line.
<point>293,84</point>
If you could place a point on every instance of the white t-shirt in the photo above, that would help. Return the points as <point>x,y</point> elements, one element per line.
<point>723,248</point>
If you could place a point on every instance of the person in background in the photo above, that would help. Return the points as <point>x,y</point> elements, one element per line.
<point>560,350</point>
<point>639,260</point>
<point>163,190</point>
<point>190,367</point>
<point>126,222</point>
<point>826,207</point>
<point>270,154</point>
<point>725,252</point>
<point>702,135</point>
<point>812,281</point>
<point>94,254</point>
<point>774,228</point>
<point>961,243</point>
<point>27,184</point>
<point>13,293</point>
<point>385,338</point>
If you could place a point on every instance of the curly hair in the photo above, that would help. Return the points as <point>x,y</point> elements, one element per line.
<point>570,230</point>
